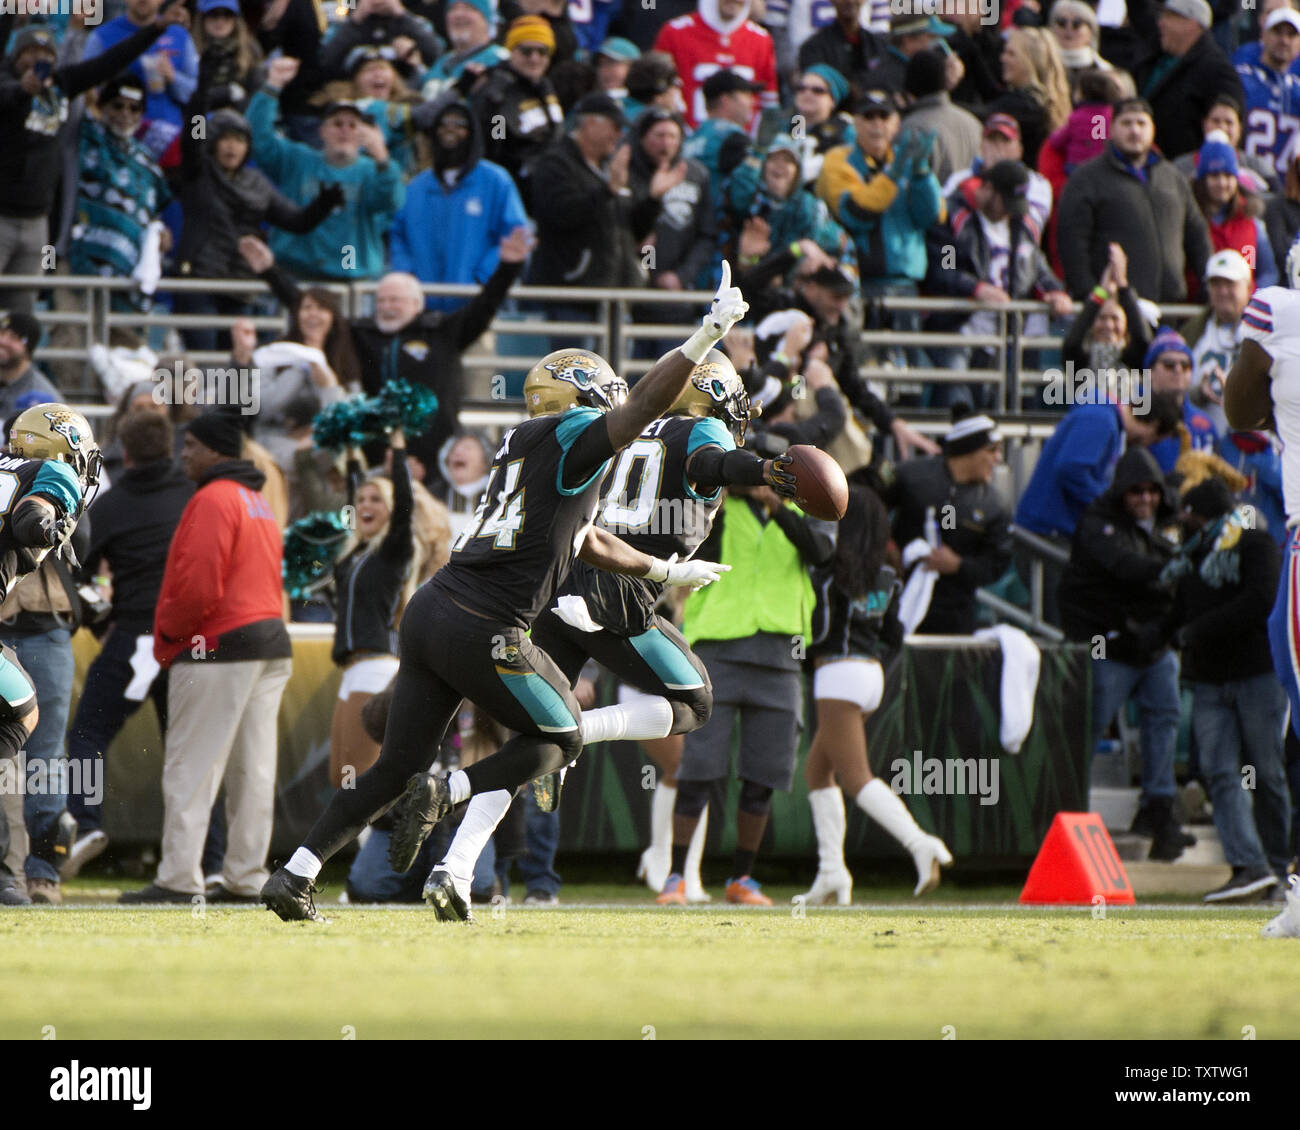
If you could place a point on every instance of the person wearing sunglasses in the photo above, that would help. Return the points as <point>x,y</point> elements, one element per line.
<point>516,106</point>
<point>1074,25</point>
<point>120,189</point>
<point>35,130</point>
<point>819,96</point>
<point>1170,362</point>
<point>1112,599</point>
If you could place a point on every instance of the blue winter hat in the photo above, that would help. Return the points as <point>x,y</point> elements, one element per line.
<point>1166,341</point>
<point>206,6</point>
<point>486,8</point>
<point>838,84</point>
<point>1216,155</point>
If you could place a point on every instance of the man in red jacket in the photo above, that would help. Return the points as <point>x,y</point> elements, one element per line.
<point>219,632</point>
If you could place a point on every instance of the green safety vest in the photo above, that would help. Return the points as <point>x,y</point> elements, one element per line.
<point>767,590</point>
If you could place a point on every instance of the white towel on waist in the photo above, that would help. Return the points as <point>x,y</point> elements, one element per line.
<point>574,612</point>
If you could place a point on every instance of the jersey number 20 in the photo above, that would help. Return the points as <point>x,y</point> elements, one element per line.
<point>633,513</point>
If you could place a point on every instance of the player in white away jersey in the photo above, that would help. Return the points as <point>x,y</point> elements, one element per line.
<point>1263,390</point>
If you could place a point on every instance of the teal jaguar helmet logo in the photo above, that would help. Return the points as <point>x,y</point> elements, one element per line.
<point>61,425</point>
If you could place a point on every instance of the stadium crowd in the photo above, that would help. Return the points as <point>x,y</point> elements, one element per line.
<point>1104,160</point>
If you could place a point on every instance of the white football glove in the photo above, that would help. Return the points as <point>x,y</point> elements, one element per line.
<point>694,574</point>
<point>728,307</point>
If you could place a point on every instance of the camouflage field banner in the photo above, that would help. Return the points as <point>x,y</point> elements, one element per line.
<point>935,740</point>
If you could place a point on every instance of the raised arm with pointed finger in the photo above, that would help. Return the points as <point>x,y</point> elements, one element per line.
<point>655,393</point>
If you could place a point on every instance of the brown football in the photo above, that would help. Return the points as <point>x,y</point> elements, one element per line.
<point>822,490</point>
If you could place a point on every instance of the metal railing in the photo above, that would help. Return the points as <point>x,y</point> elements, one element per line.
<point>1037,550</point>
<point>612,327</point>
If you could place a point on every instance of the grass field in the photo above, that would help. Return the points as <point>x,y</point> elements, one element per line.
<point>626,970</point>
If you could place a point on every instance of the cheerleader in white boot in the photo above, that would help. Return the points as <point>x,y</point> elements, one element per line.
<point>855,630</point>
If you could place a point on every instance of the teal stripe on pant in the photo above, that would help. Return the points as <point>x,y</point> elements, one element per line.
<point>541,700</point>
<point>15,688</point>
<point>666,660</point>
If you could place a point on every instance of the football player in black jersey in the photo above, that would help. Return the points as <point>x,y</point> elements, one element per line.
<point>47,477</point>
<point>465,633</point>
<point>660,497</point>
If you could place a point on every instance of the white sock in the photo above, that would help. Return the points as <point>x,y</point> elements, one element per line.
<point>485,812</point>
<point>886,808</point>
<point>305,864</point>
<point>695,853</point>
<point>459,785</point>
<point>661,819</point>
<point>643,719</point>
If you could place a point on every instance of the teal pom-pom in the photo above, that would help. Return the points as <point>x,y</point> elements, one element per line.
<point>349,423</point>
<point>311,547</point>
<point>335,424</point>
<point>408,406</point>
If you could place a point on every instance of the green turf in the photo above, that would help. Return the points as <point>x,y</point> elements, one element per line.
<point>622,972</point>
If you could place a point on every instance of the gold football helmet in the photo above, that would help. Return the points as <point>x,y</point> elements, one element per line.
<point>715,389</point>
<point>55,431</point>
<point>570,378</point>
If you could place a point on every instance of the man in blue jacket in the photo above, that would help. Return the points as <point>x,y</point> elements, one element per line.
<point>1076,467</point>
<point>350,244</point>
<point>457,212</point>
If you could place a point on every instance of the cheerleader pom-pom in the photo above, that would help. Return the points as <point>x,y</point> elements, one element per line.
<point>408,406</point>
<point>335,426</point>
<point>311,547</point>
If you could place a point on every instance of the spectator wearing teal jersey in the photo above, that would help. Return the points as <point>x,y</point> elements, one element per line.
<point>769,188</point>
<point>376,85</point>
<point>120,191</point>
<point>350,244</point>
<point>470,27</point>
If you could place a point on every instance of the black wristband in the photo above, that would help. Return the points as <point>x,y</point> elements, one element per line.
<point>712,467</point>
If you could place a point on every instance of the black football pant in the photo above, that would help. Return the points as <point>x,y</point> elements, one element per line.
<point>448,653</point>
<point>657,662</point>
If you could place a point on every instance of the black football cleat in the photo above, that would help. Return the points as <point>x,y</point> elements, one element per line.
<point>447,902</point>
<point>425,801</point>
<point>289,895</point>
